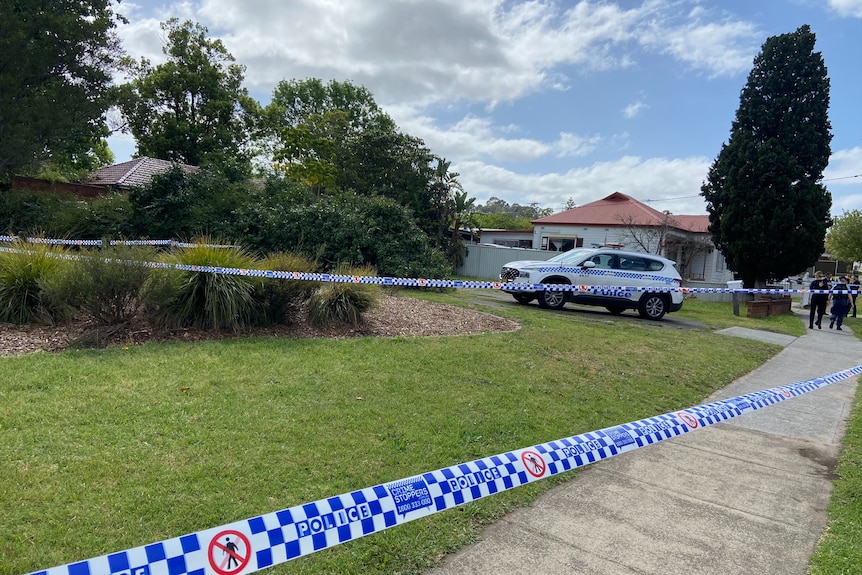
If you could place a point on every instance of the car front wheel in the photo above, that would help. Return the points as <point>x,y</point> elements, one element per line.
<point>652,306</point>
<point>523,298</point>
<point>552,299</point>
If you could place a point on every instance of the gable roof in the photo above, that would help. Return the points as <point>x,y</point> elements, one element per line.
<point>134,173</point>
<point>696,224</point>
<point>619,209</point>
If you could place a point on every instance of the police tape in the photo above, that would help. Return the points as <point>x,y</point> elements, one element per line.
<point>259,542</point>
<point>100,243</point>
<point>606,289</point>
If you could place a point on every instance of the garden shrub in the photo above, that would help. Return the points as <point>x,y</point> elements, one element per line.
<point>174,298</point>
<point>356,229</point>
<point>25,270</point>
<point>105,284</point>
<point>108,215</point>
<point>35,213</point>
<point>281,299</point>
<point>343,302</point>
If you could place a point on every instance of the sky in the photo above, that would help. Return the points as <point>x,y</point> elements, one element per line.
<point>541,101</point>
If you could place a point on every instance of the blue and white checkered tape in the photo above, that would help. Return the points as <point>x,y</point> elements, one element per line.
<point>266,540</point>
<point>430,283</point>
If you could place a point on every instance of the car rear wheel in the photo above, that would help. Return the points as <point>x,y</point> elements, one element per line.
<point>552,299</point>
<point>523,298</point>
<point>652,306</point>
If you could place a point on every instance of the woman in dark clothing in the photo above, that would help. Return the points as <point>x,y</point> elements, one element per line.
<point>817,305</point>
<point>840,303</point>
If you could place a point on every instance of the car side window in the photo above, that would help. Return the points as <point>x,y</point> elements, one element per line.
<point>654,266</point>
<point>635,264</point>
<point>640,264</point>
<point>606,261</point>
<point>629,263</point>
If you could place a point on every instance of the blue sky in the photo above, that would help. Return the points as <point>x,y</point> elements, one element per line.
<point>541,101</point>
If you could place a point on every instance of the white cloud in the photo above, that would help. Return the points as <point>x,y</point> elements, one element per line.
<point>428,51</point>
<point>470,138</point>
<point>143,36</point>
<point>851,8</point>
<point>572,145</point>
<point>632,110</point>
<point>843,165</point>
<point>843,179</point>
<point>721,48</point>
<point>668,184</point>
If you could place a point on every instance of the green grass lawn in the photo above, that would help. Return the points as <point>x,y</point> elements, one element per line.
<point>106,450</point>
<point>839,551</point>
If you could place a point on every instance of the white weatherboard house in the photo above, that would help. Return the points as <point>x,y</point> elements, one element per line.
<point>621,220</point>
<point>625,222</point>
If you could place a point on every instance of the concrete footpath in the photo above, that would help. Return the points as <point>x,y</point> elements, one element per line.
<point>742,497</point>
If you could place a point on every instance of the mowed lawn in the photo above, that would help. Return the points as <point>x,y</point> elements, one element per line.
<point>109,449</point>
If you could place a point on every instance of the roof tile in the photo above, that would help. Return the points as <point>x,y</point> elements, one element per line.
<point>619,209</point>
<point>134,173</point>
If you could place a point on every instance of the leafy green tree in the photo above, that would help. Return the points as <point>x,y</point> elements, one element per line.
<point>349,229</point>
<point>500,221</point>
<point>78,165</point>
<point>335,139</point>
<point>177,204</point>
<point>768,211</point>
<point>497,206</point>
<point>314,132</point>
<point>193,108</point>
<point>56,61</point>
<point>312,151</point>
<point>443,187</point>
<point>33,213</point>
<point>844,241</point>
<point>451,204</point>
<point>461,205</point>
<point>294,102</point>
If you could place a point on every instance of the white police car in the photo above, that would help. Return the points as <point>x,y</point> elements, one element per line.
<point>602,276</point>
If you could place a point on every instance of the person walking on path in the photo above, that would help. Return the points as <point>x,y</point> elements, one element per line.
<point>840,303</point>
<point>817,305</point>
<point>854,285</point>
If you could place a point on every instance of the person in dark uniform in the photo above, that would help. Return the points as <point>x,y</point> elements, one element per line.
<point>840,303</point>
<point>817,305</point>
<point>854,285</point>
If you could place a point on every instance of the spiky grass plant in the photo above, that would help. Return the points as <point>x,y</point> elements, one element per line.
<point>344,302</point>
<point>281,299</point>
<point>208,300</point>
<point>24,270</point>
<point>106,283</point>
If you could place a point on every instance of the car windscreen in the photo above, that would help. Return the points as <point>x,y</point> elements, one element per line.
<point>570,256</point>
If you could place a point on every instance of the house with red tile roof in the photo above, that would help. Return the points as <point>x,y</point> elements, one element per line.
<point>623,221</point>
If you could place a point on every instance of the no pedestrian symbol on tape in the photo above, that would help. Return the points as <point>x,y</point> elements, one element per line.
<point>688,419</point>
<point>534,463</point>
<point>229,552</point>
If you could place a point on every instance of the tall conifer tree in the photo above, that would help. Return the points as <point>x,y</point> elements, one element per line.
<point>768,211</point>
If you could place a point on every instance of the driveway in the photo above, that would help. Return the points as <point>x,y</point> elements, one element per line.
<point>499,299</point>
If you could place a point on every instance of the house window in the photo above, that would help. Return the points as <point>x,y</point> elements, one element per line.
<point>720,265</point>
<point>515,243</point>
<point>561,244</point>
